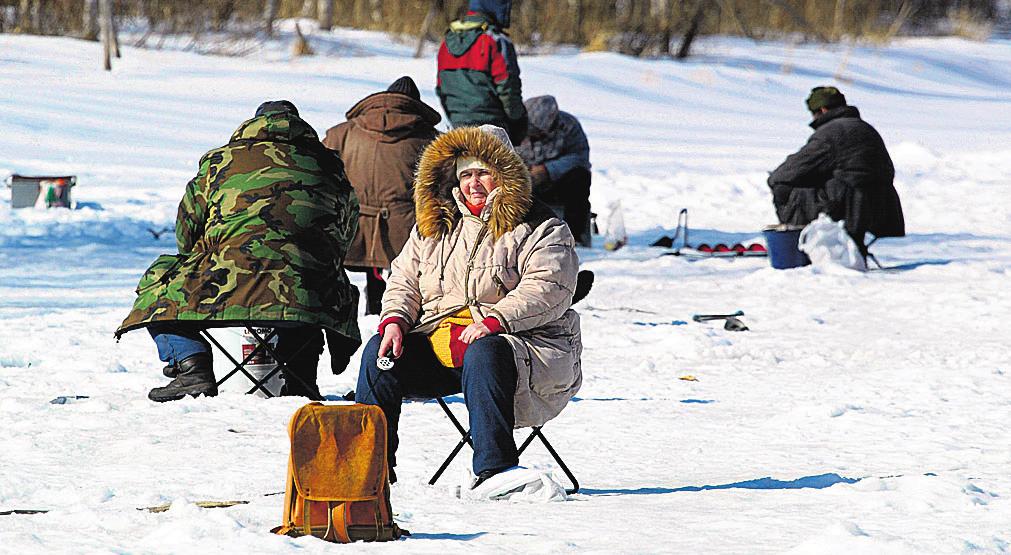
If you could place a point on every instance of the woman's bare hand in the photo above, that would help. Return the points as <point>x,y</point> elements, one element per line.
<point>475,331</point>
<point>393,338</point>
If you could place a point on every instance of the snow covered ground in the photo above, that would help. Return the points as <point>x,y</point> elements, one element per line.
<point>863,413</point>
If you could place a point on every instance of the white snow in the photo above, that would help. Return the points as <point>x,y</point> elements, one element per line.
<point>863,413</point>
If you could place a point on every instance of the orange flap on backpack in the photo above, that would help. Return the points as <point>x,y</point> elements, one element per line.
<point>338,452</point>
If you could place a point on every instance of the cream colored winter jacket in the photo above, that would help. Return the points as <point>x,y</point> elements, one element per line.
<point>516,262</point>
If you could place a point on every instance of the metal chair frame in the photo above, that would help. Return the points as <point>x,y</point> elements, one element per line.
<point>262,345</point>
<point>465,440</point>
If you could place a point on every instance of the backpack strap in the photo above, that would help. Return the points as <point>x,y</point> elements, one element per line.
<point>306,521</point>
<point>337,523</point>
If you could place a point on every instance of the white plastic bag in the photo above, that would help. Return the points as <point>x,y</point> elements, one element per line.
<point>826,242</point>
<point>514,484</point>
<point>615,236</point>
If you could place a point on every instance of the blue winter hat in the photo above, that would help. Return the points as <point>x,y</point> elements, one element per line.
<point>498,10</point>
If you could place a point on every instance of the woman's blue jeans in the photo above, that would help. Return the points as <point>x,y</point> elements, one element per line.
<point>487,380</point>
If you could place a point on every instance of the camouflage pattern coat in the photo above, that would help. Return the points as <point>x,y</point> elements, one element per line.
<point>262,232</point>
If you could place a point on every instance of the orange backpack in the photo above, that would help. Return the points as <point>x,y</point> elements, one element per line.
<point>338,487</point>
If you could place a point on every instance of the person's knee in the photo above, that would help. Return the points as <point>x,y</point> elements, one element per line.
<point>371,349</point>
<point>489,357</point>
<point>489,346</point>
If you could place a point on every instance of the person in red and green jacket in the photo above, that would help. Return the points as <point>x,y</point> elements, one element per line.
<point>479,79</point>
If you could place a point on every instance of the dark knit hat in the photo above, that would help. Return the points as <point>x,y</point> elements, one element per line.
<point>272,106</point>
<point>825,97</point>
<point>405,85</point>
<point>497,10</point>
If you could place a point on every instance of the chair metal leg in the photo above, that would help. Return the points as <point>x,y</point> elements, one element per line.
<point>875,259</point>
<point>456,450</point>
<point>536,432</point>
<point>452,417</point>
<point>464,440</point>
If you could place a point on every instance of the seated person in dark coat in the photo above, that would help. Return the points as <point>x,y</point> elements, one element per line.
<point>844,171</point>
<point>558,155</point>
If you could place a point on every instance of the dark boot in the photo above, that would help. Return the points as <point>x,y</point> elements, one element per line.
<point>195,377</point>
<point>170,370</point>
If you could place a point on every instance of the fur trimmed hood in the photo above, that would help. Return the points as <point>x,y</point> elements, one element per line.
<point>434,204</point>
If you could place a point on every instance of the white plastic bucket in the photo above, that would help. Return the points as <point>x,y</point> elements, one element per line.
<point>239,342</point>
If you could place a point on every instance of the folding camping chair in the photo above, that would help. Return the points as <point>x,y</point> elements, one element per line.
<point>262,346</point>
<point>869,255</point>
<point>535,432</point>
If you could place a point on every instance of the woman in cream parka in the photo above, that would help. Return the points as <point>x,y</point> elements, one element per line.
<point>479,299</point>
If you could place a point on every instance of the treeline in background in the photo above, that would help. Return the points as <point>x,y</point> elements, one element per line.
<point>637,27</point>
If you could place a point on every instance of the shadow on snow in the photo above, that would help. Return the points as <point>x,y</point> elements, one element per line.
<point>820,481</point>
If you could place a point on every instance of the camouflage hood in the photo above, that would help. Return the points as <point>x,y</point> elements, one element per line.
<point>279,127</point>
<point>262,231</point>
<point>435,207</point>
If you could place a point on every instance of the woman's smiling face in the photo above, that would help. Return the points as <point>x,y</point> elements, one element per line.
<point>476,184</point>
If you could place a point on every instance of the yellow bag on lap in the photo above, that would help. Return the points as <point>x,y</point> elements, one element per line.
<point>445,339</point>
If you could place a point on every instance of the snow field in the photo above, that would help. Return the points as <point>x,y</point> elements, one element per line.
<point>863,413</point>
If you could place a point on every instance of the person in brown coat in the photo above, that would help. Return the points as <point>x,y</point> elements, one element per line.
<point>380,143</point>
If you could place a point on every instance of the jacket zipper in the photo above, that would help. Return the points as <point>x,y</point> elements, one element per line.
<point>470,262</point>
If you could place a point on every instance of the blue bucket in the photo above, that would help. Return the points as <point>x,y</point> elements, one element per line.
<point>782,246</point>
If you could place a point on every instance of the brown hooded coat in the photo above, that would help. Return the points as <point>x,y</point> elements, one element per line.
<point>515,261</point>
<point>380,144</point>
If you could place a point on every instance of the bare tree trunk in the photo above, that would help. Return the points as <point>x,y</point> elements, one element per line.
<point>623,12</point>
<point>115,30</point>
<point>36,16</point>
<point>434,10</point>
<point>576,6</point>
<point>905,11</point>
<point>735,13</point>
<point>25,16</point>
<point>105,23</point>
<point>799,19</point>
<point>269,15</point>
<point>693,30</point>
<point>666,13</point>
<point>325,14</point>
<point>837,19</point>
<point>90,20</point>
<point>308,8</point>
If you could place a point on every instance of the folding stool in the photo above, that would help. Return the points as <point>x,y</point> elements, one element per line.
<point>262,345</point>
<point>465,440</point>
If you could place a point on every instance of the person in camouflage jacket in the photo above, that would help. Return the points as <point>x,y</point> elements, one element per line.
<point>262,232</point>
<point>479,80</point>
